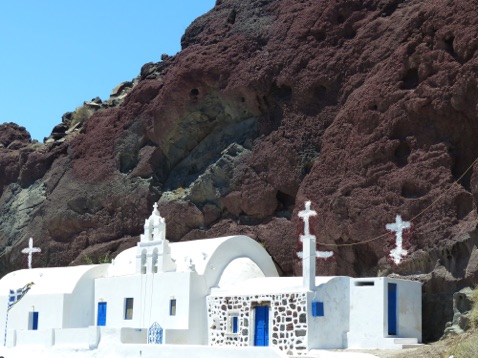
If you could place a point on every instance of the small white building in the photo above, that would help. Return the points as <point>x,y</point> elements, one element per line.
<point>216,292</point>
<point>59,299</point>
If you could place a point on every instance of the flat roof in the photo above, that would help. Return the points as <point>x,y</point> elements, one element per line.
<point>270,285</point>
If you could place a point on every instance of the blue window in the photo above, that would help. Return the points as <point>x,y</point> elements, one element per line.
<point>172,307</point>
<point>234,324</point>
<point>128,308</point>
<point>317,309</point>
<point>33,320</point>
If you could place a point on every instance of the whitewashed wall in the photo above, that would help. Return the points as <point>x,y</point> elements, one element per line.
<point>151,294</point>
<point>369,312</point>
<point>329,331</point>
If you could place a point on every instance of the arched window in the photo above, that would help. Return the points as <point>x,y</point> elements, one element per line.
<point>155,261</point>
<point>143,261</point>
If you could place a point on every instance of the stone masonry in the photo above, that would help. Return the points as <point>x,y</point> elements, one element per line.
<point>287,320</point>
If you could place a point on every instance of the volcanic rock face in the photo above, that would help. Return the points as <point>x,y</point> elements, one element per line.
<point>366,108</point>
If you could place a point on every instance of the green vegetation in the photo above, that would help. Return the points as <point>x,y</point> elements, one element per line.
<point>106,259</point>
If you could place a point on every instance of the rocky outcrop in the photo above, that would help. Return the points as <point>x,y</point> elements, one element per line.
<point>462,306</point>
<point>368,109</point>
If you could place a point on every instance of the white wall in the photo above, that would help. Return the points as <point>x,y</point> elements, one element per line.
<point>79,308</point>
<point>172,285</point>
<point>49,308</point>
<point>409,308</point>
<point>198,318</point>
<point>113,291</point>
<point>134,335</point>
<point>366,312</point>
<point>44,337</point>
<point>73,337</point>
<point>369,312</point>
<point>329,331</point>
<point>151,293</point>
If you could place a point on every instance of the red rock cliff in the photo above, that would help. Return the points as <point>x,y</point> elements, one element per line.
<point>366,108</point>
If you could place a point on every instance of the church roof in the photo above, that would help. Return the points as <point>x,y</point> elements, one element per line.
<point>50,280</point>
<point>208,256</point>
<point>181,252</point>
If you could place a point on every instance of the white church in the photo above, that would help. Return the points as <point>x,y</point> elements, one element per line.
<point>214,293</point>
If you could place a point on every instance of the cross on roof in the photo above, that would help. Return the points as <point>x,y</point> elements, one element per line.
<point>29,251</point>
<point>155,210</point>
<point>398,226</point>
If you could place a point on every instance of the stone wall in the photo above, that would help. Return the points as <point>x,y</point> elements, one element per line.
<point>287,320</point>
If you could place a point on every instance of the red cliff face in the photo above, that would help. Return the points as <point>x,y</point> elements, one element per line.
<point>366,108</point>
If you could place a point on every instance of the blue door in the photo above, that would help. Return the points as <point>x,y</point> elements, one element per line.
<point>392,309</point>
<point>35,321</point>
<point>261,327</point>
<point>101,321</point>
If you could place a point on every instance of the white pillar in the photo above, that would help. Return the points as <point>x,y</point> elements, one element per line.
<point>308,246</point>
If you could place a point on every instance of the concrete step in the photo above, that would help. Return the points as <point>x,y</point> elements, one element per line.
<point>407,346</point>
<point>404,341</point>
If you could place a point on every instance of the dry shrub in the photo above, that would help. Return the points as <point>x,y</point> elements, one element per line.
<point>466,348</point>
<point>81,114</point>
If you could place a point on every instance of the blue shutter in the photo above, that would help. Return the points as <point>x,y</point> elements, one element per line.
<point>35,321</point>
<point>317,309</point>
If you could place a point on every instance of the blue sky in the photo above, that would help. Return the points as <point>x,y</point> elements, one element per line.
<point>55,54</point>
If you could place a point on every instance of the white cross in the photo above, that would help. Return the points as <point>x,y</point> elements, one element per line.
<point>155,209</point>
<point>29,251</point>
<point>305,215</point>
<point>398,227</point>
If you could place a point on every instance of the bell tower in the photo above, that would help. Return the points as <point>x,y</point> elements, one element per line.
<point>153,253</point>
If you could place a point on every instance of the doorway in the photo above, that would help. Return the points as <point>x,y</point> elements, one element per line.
<point>392,309</point>
<point>261,326</point>
<point>101,319</point>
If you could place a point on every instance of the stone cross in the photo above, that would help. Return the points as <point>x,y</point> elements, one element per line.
<point>398,226</point>
<point>29,251</point>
